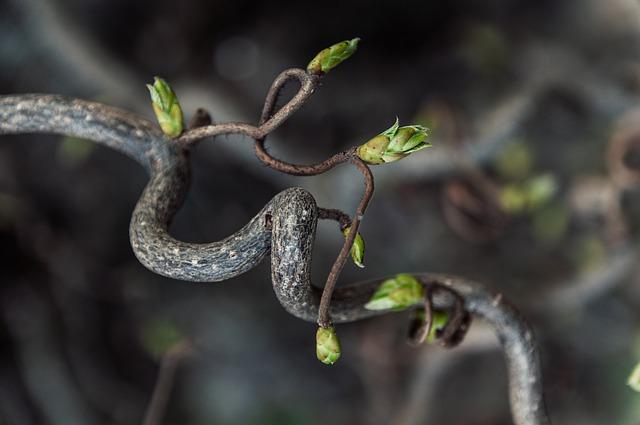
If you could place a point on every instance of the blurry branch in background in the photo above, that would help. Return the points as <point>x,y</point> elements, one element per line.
<point>65,42</point>
<point>599,198</point>
<point>164,383</point>
<point>47,376</point>
<point>431,367</point>
<point>285,228</point>
<point>442,162</point>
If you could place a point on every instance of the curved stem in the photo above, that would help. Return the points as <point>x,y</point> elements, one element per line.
<point>308,84</point>
<point>267,115</point>
<point>514,333</point>
<point>340,217</point>
<point>419,334</point>
<point>324,318</point>
<point>288,234</point>
<point>191,136</point>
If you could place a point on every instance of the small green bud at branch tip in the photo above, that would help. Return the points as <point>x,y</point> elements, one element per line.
<point>634,378</point>
<point>394,143</point>
<point>332,56</point>
<point>327,345</point>
<point>166,107</point>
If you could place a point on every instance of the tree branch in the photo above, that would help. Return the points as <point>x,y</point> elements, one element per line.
<point>286,227</point>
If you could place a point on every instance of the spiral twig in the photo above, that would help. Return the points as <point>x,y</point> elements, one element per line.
<point>285,227</point>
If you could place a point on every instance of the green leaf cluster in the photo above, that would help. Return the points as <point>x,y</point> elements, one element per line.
<point>397,293</point>
<point>394,144</point>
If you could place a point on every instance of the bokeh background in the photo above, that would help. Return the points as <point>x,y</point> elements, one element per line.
<point>530,187</point>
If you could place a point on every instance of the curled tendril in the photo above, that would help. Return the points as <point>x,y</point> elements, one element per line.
<point>285,228</point>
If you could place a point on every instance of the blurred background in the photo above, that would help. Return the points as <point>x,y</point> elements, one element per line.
<point>531,186</point>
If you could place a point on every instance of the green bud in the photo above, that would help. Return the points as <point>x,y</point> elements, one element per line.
<point>166,107</point>
<point>515,161</point>
<point>396,293</point>
<point>513,198</point>
<point>634,379</point>
<point>540,190</point>
<point>394,144</point>
<point>327,345</point>
<point>372,151</point>
<point>332,56</point>
<point>159,335</point>
<point>440,320</point>
<point>530,195</point>
<point>357,249</point>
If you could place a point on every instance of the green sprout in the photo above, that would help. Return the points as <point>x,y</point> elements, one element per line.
<point>394,144</point>
<point>332,56</point>
<point>439,321</point>
<point>634,379</point>
<point>357,249</point>
<point>396,293</point>
<point>531,194</point>
<point>166,107</point>
<point>327,345</point>
<point>515,161</point>
<point>159,335</point>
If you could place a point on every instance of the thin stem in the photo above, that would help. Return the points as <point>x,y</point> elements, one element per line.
<point>191,136</point>
<point>458,324</point>
<point>169,170</point>
<point>164,383</point>
<point>307,86</point>
<point>341,217</point>
<point>303,170</point>
<point>324,318</point>
<point>349,155</point>
<point>420,333</point>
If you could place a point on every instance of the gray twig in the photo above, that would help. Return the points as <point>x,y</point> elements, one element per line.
<point>285,227</point>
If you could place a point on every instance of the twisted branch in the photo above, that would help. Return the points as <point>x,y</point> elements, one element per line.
<point>285,227</point>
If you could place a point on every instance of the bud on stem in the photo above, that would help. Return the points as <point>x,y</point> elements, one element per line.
<point>332,56</point>
<point>327,345</point>
<point>634,379</point>
<point>166,107</point>
<point>357,249</point>
<point>394,144</point>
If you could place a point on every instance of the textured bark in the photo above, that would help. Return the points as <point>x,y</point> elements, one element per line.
<point>285,227</point>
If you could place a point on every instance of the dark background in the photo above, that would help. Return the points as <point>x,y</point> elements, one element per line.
<point>503,83</point>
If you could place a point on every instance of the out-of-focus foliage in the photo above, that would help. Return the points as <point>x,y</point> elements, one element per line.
<point>512,90</point>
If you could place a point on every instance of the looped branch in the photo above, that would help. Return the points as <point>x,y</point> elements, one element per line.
<point>456,327</point>
<point>285,227</point>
